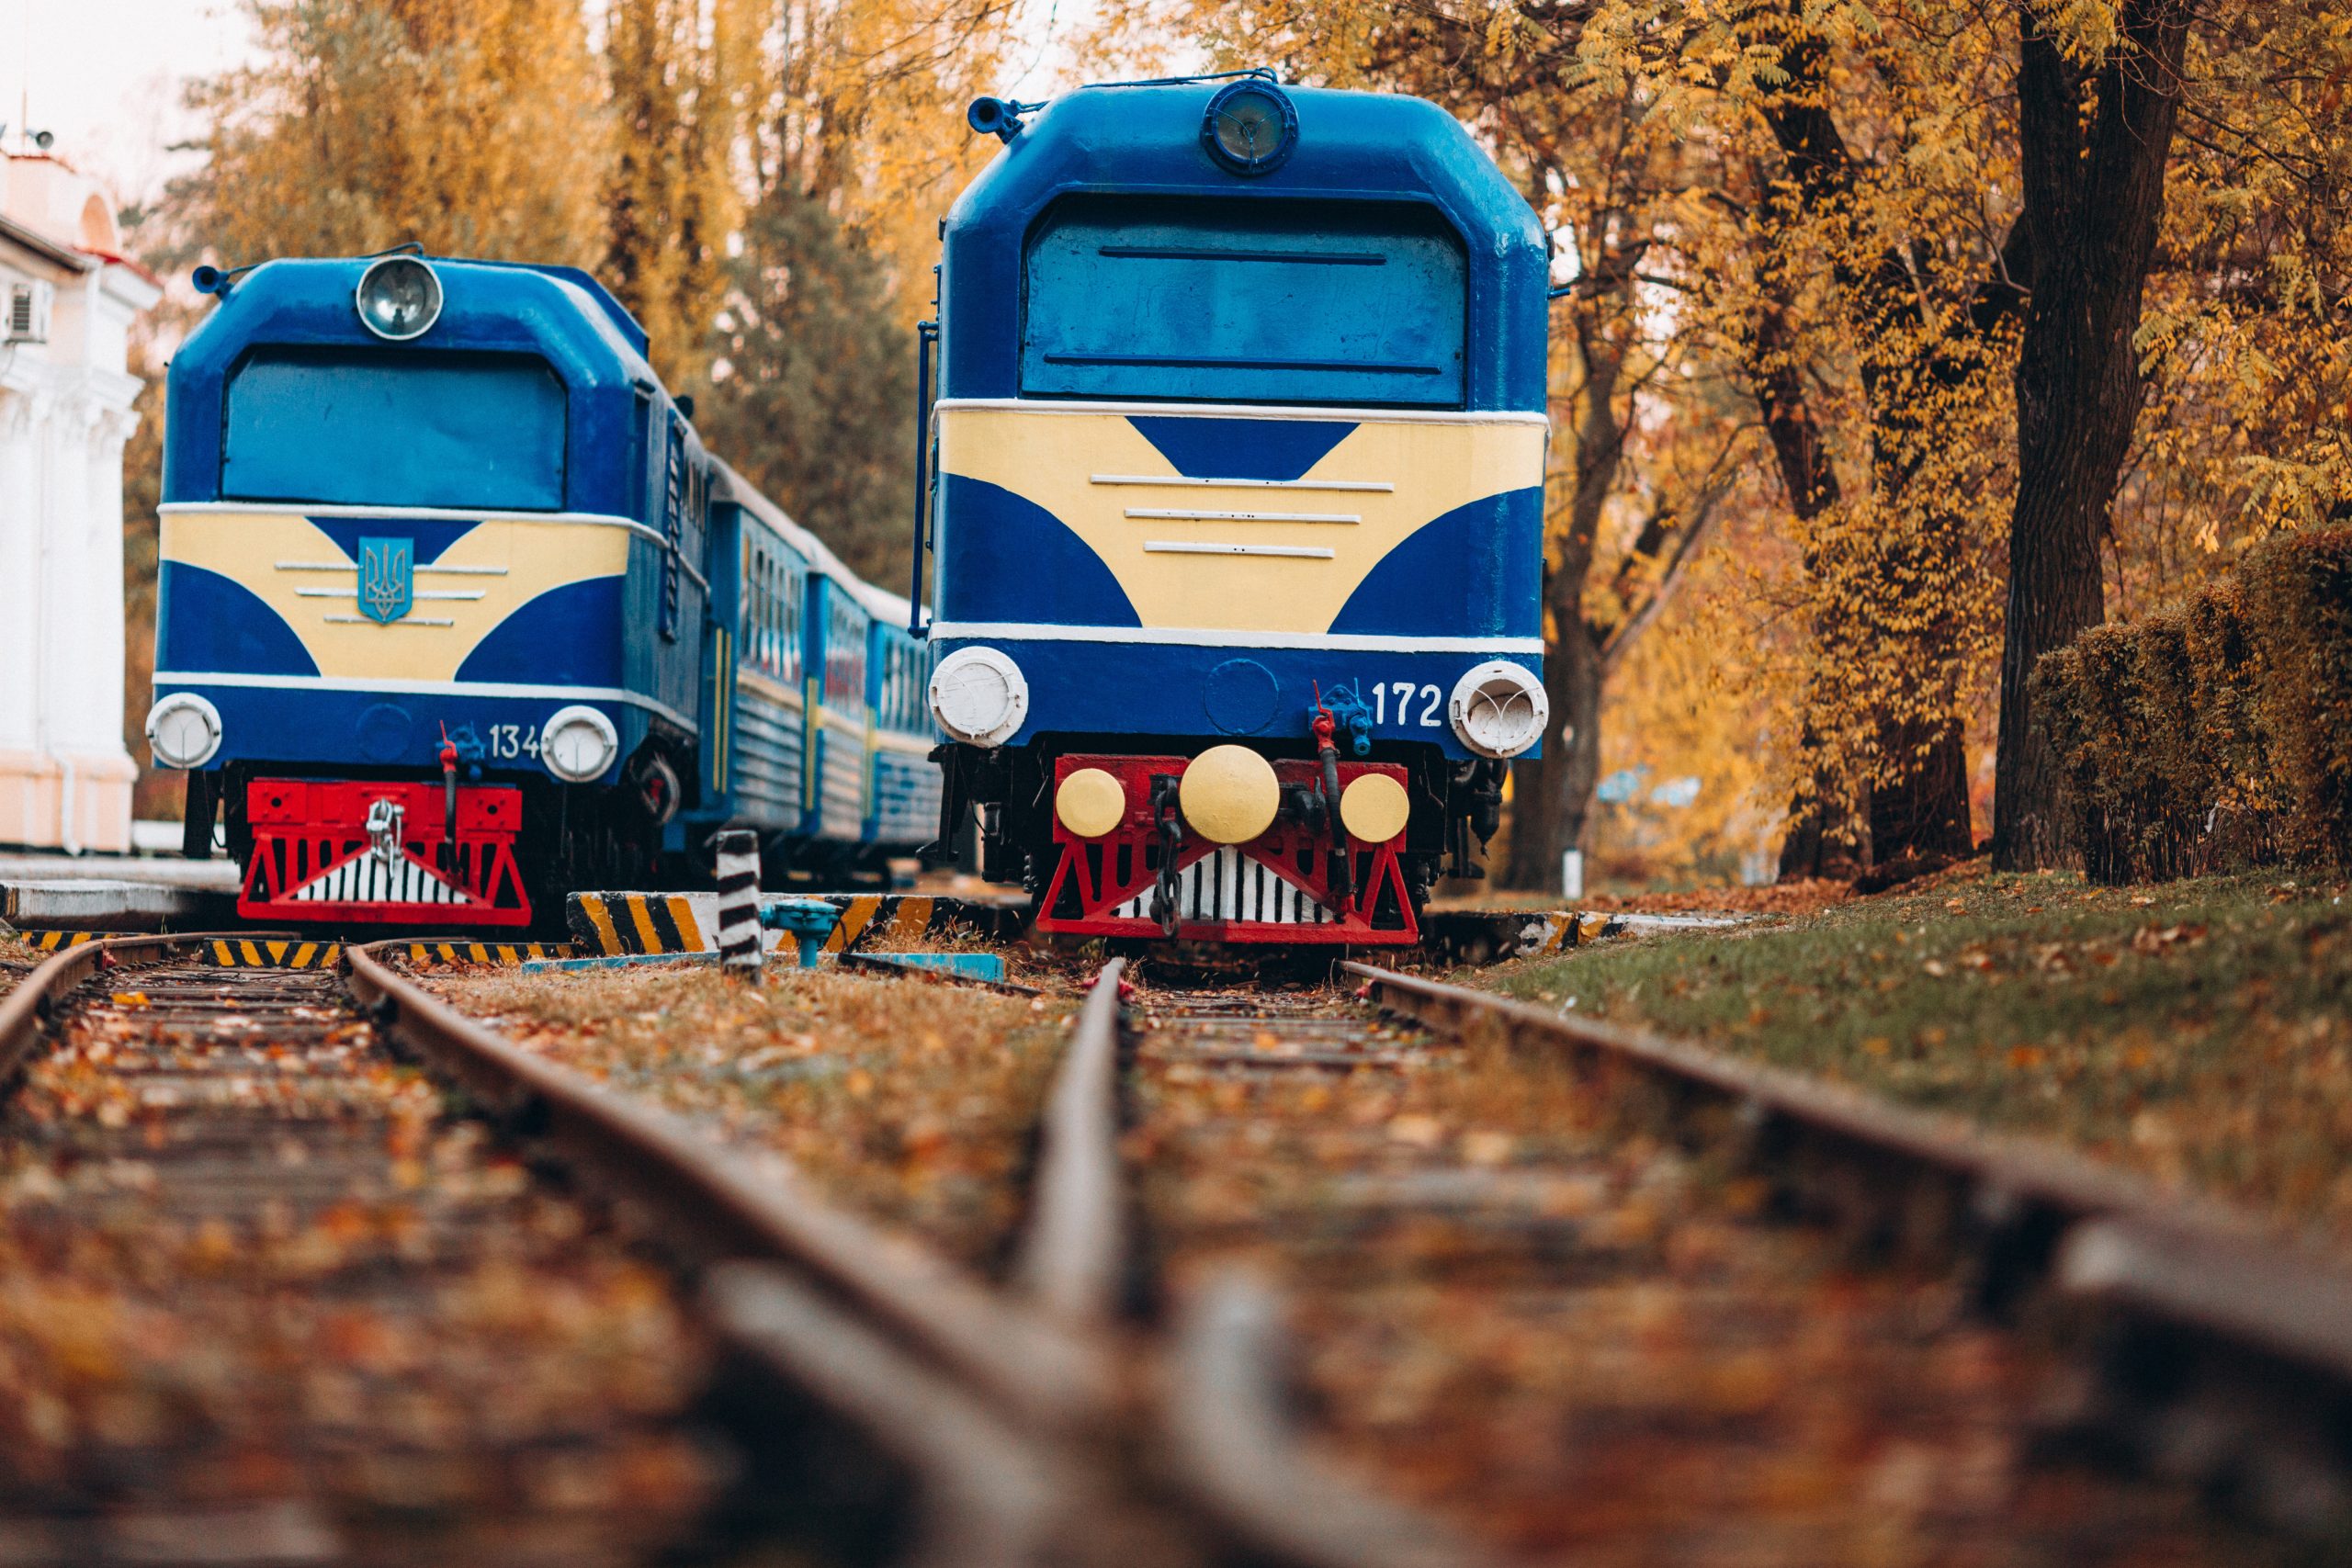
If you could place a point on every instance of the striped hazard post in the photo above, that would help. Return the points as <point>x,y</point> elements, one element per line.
<point>739,903</point>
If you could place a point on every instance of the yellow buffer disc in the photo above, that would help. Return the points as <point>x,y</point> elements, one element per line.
<point>1229,794</point>
<point>1090,802</point>
<point>1374,808</point>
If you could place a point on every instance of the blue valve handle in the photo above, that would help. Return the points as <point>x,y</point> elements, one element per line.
<point>810,922</point>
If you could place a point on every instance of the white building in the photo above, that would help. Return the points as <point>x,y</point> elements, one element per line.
<point>67,299</point>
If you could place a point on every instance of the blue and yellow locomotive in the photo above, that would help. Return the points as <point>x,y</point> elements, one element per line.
<point>1238,507</point>
<point>455,613</point>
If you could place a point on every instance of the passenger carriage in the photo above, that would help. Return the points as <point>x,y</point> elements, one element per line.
<point>823,741</point>
<point>1239,508</point>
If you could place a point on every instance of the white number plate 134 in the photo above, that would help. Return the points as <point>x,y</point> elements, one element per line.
<point>516,741</point>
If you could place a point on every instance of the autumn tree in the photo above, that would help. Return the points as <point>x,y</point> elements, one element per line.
<point>2098,94</point>
<point>682,76</point>
<point>473,127</point>
<point>813,395</point>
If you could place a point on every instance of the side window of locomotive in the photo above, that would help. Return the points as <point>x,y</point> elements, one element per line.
<point>1261,301</point>
<point>368,428</point>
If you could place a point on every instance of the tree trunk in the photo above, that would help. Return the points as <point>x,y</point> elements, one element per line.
<point>1923,814</point>
<point>2093,203</point>
<point>1551,795</point>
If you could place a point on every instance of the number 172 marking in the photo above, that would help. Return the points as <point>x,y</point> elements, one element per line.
<point>1404,692</point>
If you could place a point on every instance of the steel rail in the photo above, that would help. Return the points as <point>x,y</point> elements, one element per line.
<point>1075,1250</point>
<point>1234,1447</point>
<point>1218,1425</point>
<point>2224,1353</point>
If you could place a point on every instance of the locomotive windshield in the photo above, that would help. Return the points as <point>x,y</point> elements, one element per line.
<point>1225,301</point>
<point>394,427</point>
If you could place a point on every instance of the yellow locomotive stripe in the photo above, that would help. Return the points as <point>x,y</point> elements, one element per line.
<point>1094,472</point>
<point>277,554</point>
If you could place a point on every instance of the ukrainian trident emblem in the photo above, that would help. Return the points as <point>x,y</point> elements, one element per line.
<point>386,579</point>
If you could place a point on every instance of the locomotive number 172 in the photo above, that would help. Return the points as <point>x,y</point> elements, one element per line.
<point>1402,696</point>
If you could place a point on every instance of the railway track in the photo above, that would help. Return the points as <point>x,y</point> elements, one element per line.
<point>1300,1282</point>
<point>1602,1299</point>
<point>270,1299</point>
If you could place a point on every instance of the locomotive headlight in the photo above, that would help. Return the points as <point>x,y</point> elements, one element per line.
<point>400,298</point>
<point>980,695</point>
<point>1499,709</point>
<point>184,730</point>
<point>578,744</point>
<point>1250,127</point>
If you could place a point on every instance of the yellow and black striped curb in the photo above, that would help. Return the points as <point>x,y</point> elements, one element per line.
<point>58,941</point>
<point>614,924</point>
<point>276,953</point>
<point>486,952</point>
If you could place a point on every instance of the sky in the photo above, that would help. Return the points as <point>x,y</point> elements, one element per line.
<point>104,75</point>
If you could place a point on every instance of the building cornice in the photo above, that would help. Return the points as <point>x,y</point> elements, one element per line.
<point>46,249</point>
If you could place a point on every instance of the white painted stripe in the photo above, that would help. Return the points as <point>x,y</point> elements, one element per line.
<point>1239,639</point>
<point>1181,515</point>
<point>1253,410</point>
<point>414,593</point>
<point>353,567</point>
<point>1185,547</point>
<point>421,689</point>
<point>1382,486</point>
<point>437,513</point>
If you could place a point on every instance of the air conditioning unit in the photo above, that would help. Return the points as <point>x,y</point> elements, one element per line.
<point>28,306</point>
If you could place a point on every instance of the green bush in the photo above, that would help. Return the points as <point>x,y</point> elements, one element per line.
<point>2225,674</point>
<point>2217,738</point>
<point>2180,789</point>
<point>2054,693</point>
<point>2298,589</point>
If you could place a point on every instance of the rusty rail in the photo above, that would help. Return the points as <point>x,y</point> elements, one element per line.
<point>2223,1355</point>
<point>1075,1251</point>
<point>1218,1423</point>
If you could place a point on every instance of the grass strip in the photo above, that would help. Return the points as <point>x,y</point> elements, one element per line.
<point>2198,1031</point>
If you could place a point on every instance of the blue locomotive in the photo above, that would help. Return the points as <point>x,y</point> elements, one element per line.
<point>456,613</point>
<point>1237,510</point>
